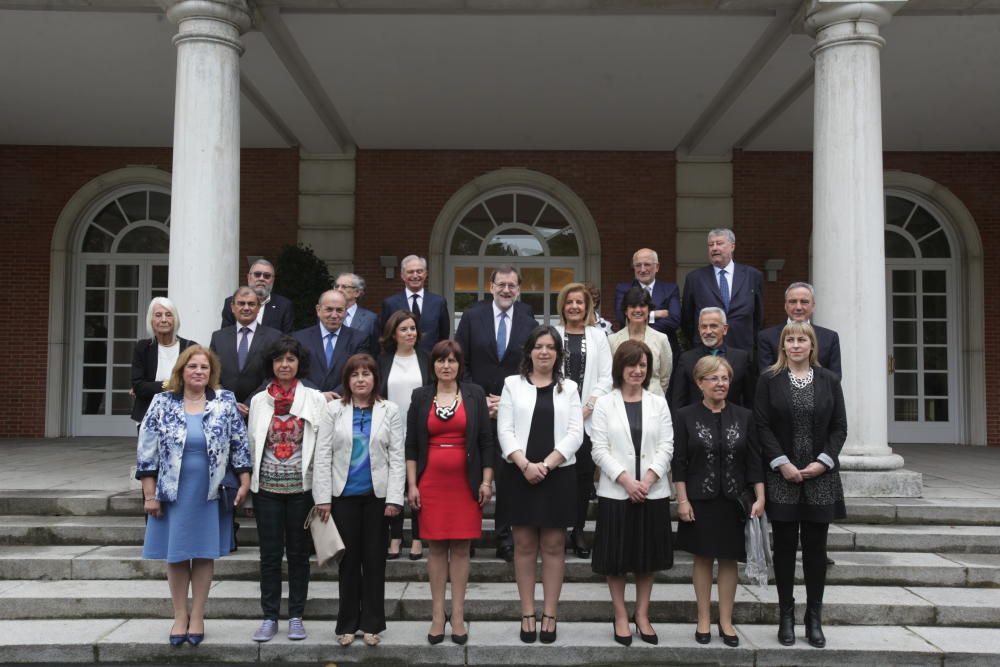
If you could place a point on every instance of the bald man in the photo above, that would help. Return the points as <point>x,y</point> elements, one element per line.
<point>665,315</point>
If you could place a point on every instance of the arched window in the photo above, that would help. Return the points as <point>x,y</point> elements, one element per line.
<point>122,245</point>
<point>522,227</point>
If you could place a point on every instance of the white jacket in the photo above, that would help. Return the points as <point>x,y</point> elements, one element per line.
<point>307,405</point>
<point>385,450</point>
<point>597,372</point>
<point>612,449</point>
<point>517,405</point>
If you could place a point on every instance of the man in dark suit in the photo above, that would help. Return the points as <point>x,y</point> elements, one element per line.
<point>352,286</point>
<point>276,311</point>
<point>665,313</point>
<point>241,348</point>
<point>492,334</point>
<point>712,331</point>
<point>431,309</point>
<point>800,303</point>
<point>736,288</point>
<point>330,344</point>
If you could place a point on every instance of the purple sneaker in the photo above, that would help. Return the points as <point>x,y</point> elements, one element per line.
<point>266,631</point>
<point>295,629</point>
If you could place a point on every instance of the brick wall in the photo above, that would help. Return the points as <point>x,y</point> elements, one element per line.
<point>36,182</point>
<point>399,195</point>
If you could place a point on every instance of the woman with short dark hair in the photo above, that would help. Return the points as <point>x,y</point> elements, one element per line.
<point>282,427</point>
<point>635,307</point>
<point>632,445</point>
<point>358,479</point>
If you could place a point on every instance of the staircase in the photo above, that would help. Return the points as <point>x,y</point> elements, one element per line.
<point>916,582</point>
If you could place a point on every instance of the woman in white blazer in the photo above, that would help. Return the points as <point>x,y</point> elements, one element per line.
<point>587,361</point>
<point>359,476</point>
<point>632,445</point>
<point>282,426</point>
<point>636,305</point>
<point>539,427</point>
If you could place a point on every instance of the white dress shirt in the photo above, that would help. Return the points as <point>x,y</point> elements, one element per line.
<point>496,319</point>
<point>239,333</point>
<point>420,299</point>
<point>729,275</point>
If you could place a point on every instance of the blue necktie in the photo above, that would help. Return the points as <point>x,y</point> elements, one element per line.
<point>724,289</point>
<point>502,336</point>
<point>244,348</point>
<point>329,349</point>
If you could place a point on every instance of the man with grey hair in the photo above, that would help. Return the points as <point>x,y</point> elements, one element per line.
<point>712,329</point>
<point>352,286</point>
<point>737,289</point>
<point>665,313</point>
<point>275,311</point>
<point>800,303</point>
<point>431,309</point>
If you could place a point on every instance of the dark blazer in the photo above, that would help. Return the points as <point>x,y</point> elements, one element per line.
<point>435,324</point>
<point>711,468</point>
<point>665,296</point>
<point>279,313</point>
<point>145,358</point>
<point>367,323</point>
<point>479,446</point>
<point>349,342</point>
<point>684,391</point>
<point>746,303</point>
<point>773,414</point>
<point>479,344</point>
<point>246,382</point>
<point>827,339</point>
<point>385,367</point>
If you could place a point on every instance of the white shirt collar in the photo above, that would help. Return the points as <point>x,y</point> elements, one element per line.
<point>650,286</point>
<point>409,294</point>
<point>497,311</point>
<point>728,268</point>
<point>252,327</point>
<point>353,309</point>
<point>323,333</point>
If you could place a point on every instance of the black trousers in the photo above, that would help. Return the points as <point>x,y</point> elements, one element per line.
<point>504,536</point>
<point>396,522</point>
<point>786,542</point>
<point>279,528</point>
<point>365,531</point>
<point>584,482</point>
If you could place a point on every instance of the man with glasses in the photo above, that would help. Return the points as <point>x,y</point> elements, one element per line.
<point>352,286</point>
<point>276,311</point>
<point>431,309</point>
<point>712,330</point>
<point>492,334</point>
<point>665,313</point>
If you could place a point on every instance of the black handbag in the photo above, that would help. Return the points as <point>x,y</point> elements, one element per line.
<point>746,500</point>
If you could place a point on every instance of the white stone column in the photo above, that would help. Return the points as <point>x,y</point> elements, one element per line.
<point>848,230</point>
<point>205,196</point>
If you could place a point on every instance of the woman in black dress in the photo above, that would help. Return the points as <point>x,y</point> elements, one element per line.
<point>632,444</point>
<point>716,460</point>
<point>539,427</point>
<point>802,425</point>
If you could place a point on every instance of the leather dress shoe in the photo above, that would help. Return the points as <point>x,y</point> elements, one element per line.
<point>506,552</point>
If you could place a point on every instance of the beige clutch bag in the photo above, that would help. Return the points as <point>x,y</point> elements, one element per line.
<point>326,538</point>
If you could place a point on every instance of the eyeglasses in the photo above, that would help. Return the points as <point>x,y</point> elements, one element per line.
<point>507,286</point>
<point>262,274</point>
<point>716,379</point>
<point>342,286</point>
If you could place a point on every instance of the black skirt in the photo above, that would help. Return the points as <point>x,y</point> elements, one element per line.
<point>632,537</point>
<point>716,532</point>
<point>549,504</point>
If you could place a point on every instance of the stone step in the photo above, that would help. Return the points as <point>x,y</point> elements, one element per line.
<point>143,641</point>
<point>129,530</point>
<point>852,568</point>
<point>671,603</point>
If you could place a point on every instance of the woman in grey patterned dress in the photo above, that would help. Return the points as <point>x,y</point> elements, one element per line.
<point>802,425</point>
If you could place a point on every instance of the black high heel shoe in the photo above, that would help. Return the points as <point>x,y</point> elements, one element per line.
<point>703,637</point>
<point>547,636</point>
<point>649,639</point>
<point>624,640</point>
<point>728,640</point>
<point>434,640</point>
<point>459,639</point>
<point>528,636</point>
<point>578,546</point>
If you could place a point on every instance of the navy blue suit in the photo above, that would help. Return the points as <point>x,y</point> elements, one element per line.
<point>367,323</point>
<point>666,296</point>
<point>279,313</point>
<point>827,340</point>
<point>477,337</point>
<point>349,342</point>
<point>434,322</point>
<point>247,382</point>
<point>746,304</point>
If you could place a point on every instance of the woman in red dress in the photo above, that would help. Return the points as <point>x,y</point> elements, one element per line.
<point>449,454</point>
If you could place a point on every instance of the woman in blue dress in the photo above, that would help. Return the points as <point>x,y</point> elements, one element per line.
<point>189,436</point>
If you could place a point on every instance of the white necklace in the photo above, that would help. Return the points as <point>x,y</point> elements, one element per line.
<point>801,383</point>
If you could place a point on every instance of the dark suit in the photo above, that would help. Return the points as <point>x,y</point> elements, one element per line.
<point>246,382</point>
<point>827,340</point>
<point>435,324</point>
<point>477,336</point>
<point>279,313</point>
<point>349,342</point>
<point>367,323</point>
<point>746,303</point>
<point>666,296</point>
<point>145,358</point>
<point>710,468</point>
<point>479,443</point>
<point>684,391</point>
